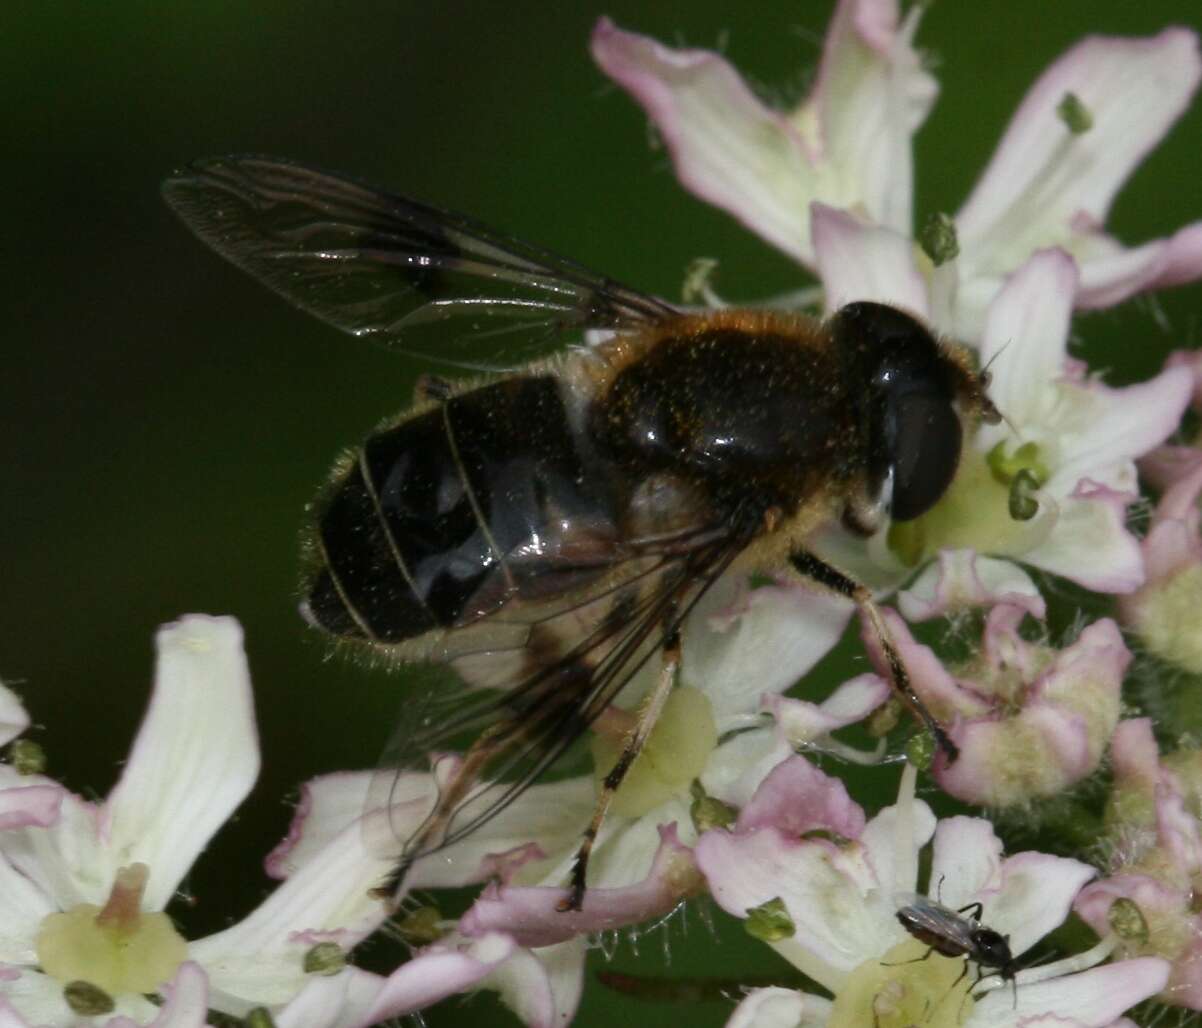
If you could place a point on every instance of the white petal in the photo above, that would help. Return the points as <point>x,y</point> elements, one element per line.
<point>740,645</point>
<point>13,717</point>
<point>1042,177</point>
<point>737,766</point>
<point>1026,330</point>
<point>1036,896</point>
<point>966,861</point>
<point>187,999</point>
<point>870,97</point>
<point>726,146</point>
<point>328,805</point>
<point>332,1001</point>
<point>860,261</point>
<point>1090,543</point>
<point>194,760</point>
<point>542,986</point>
<point>23,905</point>
<point>769,1008</point>
<point>1096,996</point>
<point>1123,424</point>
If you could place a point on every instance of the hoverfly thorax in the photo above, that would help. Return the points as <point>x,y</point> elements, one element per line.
<point>920,394</point>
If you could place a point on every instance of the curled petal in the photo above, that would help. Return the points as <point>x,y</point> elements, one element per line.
<point>187,999</point>
<point>773,1008</point>
<point>803,722</point>
<point>438,972</point>
<point>532,916</point>
<point>797,798</point>
<point>30,806</point>
<point>1111,279</point>
<point>959,580</point>
<point>196,753</point>
<point>542,986</point>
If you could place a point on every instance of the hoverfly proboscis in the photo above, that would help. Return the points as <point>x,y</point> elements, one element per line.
<point>545,531</point>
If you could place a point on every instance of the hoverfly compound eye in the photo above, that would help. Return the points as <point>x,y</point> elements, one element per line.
<point>925,450</point>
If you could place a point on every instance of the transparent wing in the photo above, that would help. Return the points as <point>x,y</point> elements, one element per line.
<point>928,920</point>
<point>394,270</point>
<point>577,660</point>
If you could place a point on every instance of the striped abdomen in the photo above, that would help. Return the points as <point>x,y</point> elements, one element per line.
<point>446,516</point>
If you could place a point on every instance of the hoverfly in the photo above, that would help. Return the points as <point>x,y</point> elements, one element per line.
<point>546,531</point>
<point>958,933</point>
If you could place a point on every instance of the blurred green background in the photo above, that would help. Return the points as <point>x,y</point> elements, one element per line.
<point>164,420</point>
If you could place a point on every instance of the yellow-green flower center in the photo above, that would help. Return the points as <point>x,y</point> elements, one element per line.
<point>900,989</point>
<point>676,753</point>
<point>116,948</point>
<point>987,508</point>
<point>1166,618</point>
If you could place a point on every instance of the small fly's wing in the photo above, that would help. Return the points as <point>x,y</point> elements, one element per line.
<point>949,932</point>
<point>580,655</point>
<point>394,270</point>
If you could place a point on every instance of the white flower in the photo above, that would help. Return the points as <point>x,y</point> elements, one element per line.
<point>83,886</point>
<point>829,906</point>
<point>847,148</point>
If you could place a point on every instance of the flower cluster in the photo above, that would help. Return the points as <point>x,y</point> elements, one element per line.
<point>893,916</point>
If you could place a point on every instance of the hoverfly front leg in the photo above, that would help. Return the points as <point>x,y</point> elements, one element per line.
<point>817,570</point>
<point>430,387</point>
<point>648,714</point>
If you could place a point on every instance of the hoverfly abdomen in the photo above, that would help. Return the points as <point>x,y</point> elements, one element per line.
<point>445,516</point>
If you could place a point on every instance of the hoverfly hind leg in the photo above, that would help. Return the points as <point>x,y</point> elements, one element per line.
<point>818,570</point>
<point>647,716</point>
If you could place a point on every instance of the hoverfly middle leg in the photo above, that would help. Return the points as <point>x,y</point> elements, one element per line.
<point>817,570</point>
<point>648,714</point>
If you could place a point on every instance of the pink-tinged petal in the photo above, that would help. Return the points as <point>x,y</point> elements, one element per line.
<point>31,806</point>
<point>891,842</point>
<point>1090,544</point>
<point>797,798</point>
<point>542,987</point>
<point>1096,996</point>
<point>1110,279</point>
<point>769,1008</point>
<point>860,261</point>
<point>743,643</point>
<point>931,680</point>
<point>186,999</point>
<point>1157,899</point>
<point>194,760</point>
<point>823,888</point>
<point>438,972</point>
<point>803,722</point>
<point>1126,423</point>
<point>330,896</point>
<point>870,97</point>
<point>737,766</point>
<point>1026,335</point>
<point>1134,755</point>
<point>1184,988</point>
<point>13,717</point>
<point>532,916</point>
<point>327,805</point>
<point>959,580</point>
<point>1167,464</point>
<point>332,1001</point>
<point>9,1018</point>
<point>1042,178</point>
<point>726,147</point>
<point>1036,896</point>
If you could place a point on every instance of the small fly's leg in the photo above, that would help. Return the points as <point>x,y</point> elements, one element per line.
<point>915,960</point>
<point>980,909</point>
<point>647,716</point>
<point>819,571</point>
